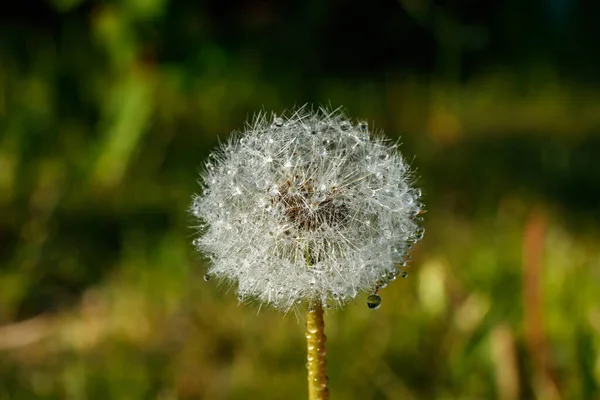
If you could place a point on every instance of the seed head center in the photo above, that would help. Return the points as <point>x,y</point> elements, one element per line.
<point>310,208</point>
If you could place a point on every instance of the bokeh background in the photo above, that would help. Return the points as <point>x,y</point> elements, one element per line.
<point>108,108</point>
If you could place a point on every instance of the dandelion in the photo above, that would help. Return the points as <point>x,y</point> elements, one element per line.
<point>309,208</point>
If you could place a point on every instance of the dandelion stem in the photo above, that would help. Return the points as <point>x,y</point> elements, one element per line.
<point>317,354</point>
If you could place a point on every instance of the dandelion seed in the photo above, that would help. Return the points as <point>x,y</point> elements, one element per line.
<point>276,213</point>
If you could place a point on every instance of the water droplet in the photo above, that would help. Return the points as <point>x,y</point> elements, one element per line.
<point>320,197</point>
<point>262,183</point>
<point>274,190</point>
<point>403,274</point>
<point>345,125</point>
<point>207,277</point>
<point>419,233</point>
<point>278,122</point>
<point>322,126</point>
<point>337,201</point>
<point>374,301</point>
<point>196,242</point>
<point>397,255</point>
<point>418,192</point>
<point>363,126</point>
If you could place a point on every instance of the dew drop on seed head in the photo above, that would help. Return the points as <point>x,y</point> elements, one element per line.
<point>337,202</point>
<point>345,125</point>
<point>374,301</point>
<point>419,233</point>
<point>396,256</point>
<point>262,183</point>
<point>320,197</point>
<point>196,242</point>
<point>207,277</point>
<point>278,122</point>
<point>403,274</point>
<point>274,190</point>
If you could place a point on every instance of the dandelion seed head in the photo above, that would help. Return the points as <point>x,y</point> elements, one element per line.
<point>306,207</point>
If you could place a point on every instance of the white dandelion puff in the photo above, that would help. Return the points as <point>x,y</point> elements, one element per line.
<point>307,207</point>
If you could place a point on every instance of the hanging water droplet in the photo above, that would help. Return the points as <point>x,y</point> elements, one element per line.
<point>418,193</point>
<point>278,122</point>
<point>207,277</point>
<point>403,274</point>
<point>374,301</point>
<point>196,242</point>
<point>345,125</point>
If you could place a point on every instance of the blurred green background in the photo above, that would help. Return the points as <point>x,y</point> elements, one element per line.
<point>108,108</point>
